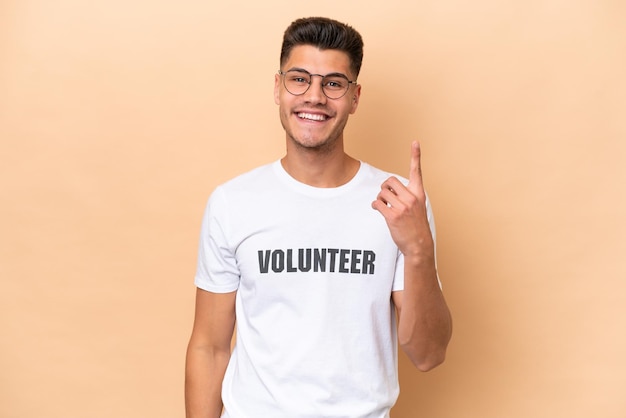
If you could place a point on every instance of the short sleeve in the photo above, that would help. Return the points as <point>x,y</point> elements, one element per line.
<point>217,269</point>
<point>398,278</point>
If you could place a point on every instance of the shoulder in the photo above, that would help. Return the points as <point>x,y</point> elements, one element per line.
<point>377,174</point>
<point>249,178</point>
<point>243,186</point>
<point>249,183</point>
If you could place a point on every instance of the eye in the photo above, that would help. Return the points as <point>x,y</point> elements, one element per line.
<point>298,77</point>
<point>335,83</point>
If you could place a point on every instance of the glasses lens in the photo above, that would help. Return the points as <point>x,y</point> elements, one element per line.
<point>335,86</point>
<point>296,82</point>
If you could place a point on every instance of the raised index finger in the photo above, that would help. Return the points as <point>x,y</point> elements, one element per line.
<point>415,169</point>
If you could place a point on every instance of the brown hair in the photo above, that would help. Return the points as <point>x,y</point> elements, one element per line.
<point>324,33</point>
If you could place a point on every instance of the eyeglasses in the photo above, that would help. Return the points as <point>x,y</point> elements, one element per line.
<point>334,85</point>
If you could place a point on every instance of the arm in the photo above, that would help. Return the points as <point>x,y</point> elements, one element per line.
<point>424,321</point>
<point>208,353</point>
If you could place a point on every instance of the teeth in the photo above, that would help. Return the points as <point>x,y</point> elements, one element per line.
<point>311,116</point>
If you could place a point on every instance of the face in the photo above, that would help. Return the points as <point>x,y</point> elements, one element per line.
<point>312,120</point>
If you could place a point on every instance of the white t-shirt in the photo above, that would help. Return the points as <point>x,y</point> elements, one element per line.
<point>314,269</point>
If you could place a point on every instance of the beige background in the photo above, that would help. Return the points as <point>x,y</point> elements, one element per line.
<point>117,119</point>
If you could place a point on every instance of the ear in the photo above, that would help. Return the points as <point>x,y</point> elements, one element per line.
<point>277,88</point>
<point>356,96</point>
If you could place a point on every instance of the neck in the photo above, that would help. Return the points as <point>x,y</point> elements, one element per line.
<point>320,169</point>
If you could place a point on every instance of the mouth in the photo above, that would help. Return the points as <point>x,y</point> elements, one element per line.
<point>317,117</point>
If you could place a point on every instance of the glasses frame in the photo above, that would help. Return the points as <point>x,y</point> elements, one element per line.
<point>284,73</point>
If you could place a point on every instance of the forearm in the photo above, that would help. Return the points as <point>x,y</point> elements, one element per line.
<point>424,323</point>
<point>204,373</point>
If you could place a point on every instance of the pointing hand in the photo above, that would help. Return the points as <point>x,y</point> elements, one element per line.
<point>404,210</point>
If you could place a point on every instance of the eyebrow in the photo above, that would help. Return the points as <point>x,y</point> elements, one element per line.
<point>325,75</point>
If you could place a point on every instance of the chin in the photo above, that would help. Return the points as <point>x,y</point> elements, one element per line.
<point>314,144</point>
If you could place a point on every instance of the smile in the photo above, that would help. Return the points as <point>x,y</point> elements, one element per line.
<point>311,116</point>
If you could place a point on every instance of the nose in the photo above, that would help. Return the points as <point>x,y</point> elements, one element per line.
<point>315,92</point>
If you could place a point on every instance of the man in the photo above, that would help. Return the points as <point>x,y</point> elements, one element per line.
<point>321,281</point>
